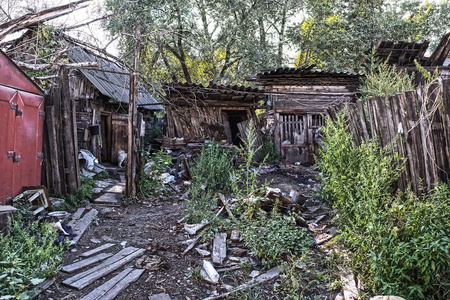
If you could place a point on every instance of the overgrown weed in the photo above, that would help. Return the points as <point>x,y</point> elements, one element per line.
<point>150,182</point>
<point>399,242</point>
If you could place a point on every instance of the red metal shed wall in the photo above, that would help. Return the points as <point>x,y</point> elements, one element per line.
<point>21,127</point>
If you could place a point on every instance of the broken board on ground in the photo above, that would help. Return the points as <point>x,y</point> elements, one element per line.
<point>87,277</point>
<point>110,289</point>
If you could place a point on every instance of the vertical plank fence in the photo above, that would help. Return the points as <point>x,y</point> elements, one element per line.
<point>416,124</point>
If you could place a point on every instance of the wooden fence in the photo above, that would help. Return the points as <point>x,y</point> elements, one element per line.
<point>416,123</point>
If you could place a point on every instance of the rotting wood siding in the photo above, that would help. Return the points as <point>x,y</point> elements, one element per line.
<point>196,112</point>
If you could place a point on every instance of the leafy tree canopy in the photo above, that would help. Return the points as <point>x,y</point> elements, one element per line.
<point>337,34</point>
<point>203,40</point>
<point>226,40</point>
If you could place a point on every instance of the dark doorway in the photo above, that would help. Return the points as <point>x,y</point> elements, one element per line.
<point>235,117</point>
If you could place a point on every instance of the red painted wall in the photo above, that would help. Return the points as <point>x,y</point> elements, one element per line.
<point>21,127</point>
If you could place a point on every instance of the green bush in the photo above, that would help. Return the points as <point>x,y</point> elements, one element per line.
<point>28,255</point>
<point>210,175</point>
<point>271,236</point>
<point>212,168</point>
<point>84,191</point>
<point>384,80</point>
<point>150,183</point>
<point>399,242</point>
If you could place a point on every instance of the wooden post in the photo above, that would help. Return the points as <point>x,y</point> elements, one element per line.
<point>69,151</point>
<point>132,121</point>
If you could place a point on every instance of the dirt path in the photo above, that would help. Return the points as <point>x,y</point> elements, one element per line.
<point>152,225</point>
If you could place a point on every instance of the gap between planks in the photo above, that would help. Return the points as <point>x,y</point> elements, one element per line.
<point>110,289</point>
<point>86,262</point>
<point>87,277</point>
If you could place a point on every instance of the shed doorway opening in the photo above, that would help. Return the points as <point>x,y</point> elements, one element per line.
<point>234,118</point>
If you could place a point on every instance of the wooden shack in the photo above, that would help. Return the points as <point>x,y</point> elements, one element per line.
<point>101,97</point>
<point>87,108</point>
<point>298,98</point>
<point>195,112</point>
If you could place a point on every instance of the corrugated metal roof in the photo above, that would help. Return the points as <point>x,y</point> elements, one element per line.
<point>114,85</point>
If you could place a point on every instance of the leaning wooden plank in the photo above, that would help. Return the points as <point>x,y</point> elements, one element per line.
<point>86,262</point>
<point>92,277</point>
<point>271,274</point>
<point>80,227</point>
<point>111,288</point>
<point>118,256</point>
<point>96,250</point>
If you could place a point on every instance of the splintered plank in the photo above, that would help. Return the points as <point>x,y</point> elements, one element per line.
<point>85,262</point>
<point>110,289</point>
<point>85,278</point>
<point>80,226</point>
<point>96,250</point>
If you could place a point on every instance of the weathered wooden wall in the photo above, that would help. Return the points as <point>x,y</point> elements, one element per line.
<point>202,122</point>
<point>60,139</point>
<point>417,122</point>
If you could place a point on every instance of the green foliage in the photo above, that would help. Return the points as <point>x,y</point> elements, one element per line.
<point>213,167</point>
<point>383,80</point>
<point>268,150</point>
<point>210,175</point>
<point>196,273</point>
<point>201,41</point>
<point>28,255</point>
<point>150,182</point>
<point>335,35</point>
<point>251,293</point>
<point>425,74</point>
<point>84,191</point>
<point>102,175</point>
<point>272,236</point>
<point>399,242</point>
<point>245,179</point>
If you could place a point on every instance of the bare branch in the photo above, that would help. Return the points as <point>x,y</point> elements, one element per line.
<point>45,15</point>
<point>41,67</point>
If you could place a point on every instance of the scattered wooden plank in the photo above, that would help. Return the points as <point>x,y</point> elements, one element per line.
<point>85,262</point>
<point>80,226</point>
<point>83,279</point>
<point>122,253</point>
<point>269,275</point>
<point>110,289</point>
<point>97,250</point>
<point>40,288</point>
<point>219,248</point>
<point>76,216</point>
<point>191,245</point>
<point>161,296</point>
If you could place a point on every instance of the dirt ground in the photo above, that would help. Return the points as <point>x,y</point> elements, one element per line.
<point>152,224</point>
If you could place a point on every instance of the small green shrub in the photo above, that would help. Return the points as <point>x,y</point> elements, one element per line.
<point>268,150</point>
<point>84,191</point>
<point>150,182</point>
<point>210,175</point>
<point>28,255</point>
<point>271,236</point>
<point>212,168</point>
<point>400,243</point>
<point>383,80</point>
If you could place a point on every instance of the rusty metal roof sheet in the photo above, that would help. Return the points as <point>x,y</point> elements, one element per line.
<point>110,79</point>
<point>227,92</point>
<point>304,70</point>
